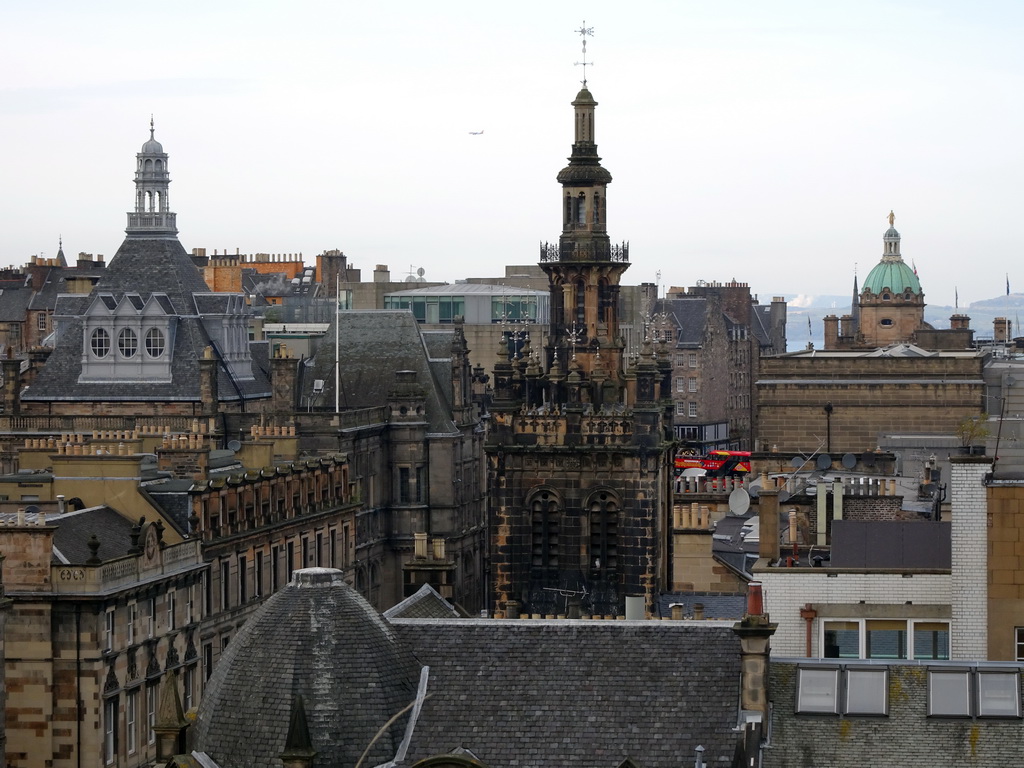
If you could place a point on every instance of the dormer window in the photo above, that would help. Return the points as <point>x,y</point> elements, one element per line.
<point>127,342</point>
<point>886,297</point>
<point>100,342</point>
<point>155,342</point>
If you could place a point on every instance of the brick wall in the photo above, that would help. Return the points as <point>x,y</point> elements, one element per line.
<point>969,592</point>
<point>787,590</point>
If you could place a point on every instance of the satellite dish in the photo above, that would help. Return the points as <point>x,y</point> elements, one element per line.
<point>235,446</point>
<point>739,501</point>
<point>421,271</point>
<point>867,459</point>
<point>824,461</point>
<point>928,489</point>
<point>753,490</point>
<point>410,279</point>
<point>797,461</point>
<point>849,460</point>
<point>32,509</point>
<point>784,496</point>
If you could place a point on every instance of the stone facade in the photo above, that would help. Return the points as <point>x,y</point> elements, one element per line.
<point>1005,538</point>
<point>720,333</point>
<point>578,452</point>
<point>870,396</point>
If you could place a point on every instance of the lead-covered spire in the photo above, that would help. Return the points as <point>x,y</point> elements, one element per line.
<point>152,217</point>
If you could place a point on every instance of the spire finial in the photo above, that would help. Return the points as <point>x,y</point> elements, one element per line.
<point>892,219</point>
<point>584,32</point>
<point>151,129</point>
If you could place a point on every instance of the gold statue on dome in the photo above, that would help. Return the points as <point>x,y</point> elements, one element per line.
<point>892,219</point>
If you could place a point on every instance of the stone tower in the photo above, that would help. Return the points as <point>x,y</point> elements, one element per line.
<point>584,269</point>
<point>891,307</point>
<point>887,309</point>
<point>152,216</point>
<point>578,451</point>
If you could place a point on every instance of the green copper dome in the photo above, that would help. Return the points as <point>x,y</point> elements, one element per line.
<point>894,276</point>
<point>892,273</point>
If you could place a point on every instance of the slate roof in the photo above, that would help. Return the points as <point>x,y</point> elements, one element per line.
<point>375,344</point>
<point>576,694</point>
<point>891,544</point>
<point>717,605</point>
<point>319,638</point>
<point>544,693</point>
<point>426,603</point>
<point>141,268</point>
<point>690,319</point>
<point>74,529</point>
<point>14,304</point>
<point>55,284</point>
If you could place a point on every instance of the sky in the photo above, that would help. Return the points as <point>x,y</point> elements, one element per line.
<point>765,142</point>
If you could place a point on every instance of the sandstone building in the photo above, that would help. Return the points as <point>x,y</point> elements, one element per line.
<point>578,450</point>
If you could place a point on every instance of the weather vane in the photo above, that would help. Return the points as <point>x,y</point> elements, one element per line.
<point>584,32</point>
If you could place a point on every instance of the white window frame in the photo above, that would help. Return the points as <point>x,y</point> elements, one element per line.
<point>1007,700</point>
<point>692,362</point>
<point>871,683</point>
<point>692,384</point>
<point>151,713</point>
<point>110,730</point>
<point>692,409</point>
<point>108,633</point>
<point>133,616</point>
<point>172,604</point>
<point>832,690</point>
<point>131,724</point>
<point>681,384</point>
<point>190,602</point>
<point>817,690</point>
<point>862,637</point>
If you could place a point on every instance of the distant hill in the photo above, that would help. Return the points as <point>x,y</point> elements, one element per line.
<point>982,313</point>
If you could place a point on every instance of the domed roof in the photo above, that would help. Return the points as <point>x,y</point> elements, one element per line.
<point>319,639</point>
<point>152,147</point>
<point>893,275</point>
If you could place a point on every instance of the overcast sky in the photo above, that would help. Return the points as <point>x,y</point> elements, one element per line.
<point>765,141</point>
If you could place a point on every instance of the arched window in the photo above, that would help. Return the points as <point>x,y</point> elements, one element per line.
<point>155,342</point>
<point>597,209</point>
<point>886,297</point>
<point>149,164</point>
<point>568,209</point>
<point>604,533</point>
<point>581,303</point>
<point>581,209</point>
<point>159,165</point>
<point>127,342</point>
<point>545,518</point>
<point>100,342</point>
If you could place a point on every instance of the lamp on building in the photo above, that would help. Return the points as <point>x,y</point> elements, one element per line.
<point>828,426</point>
